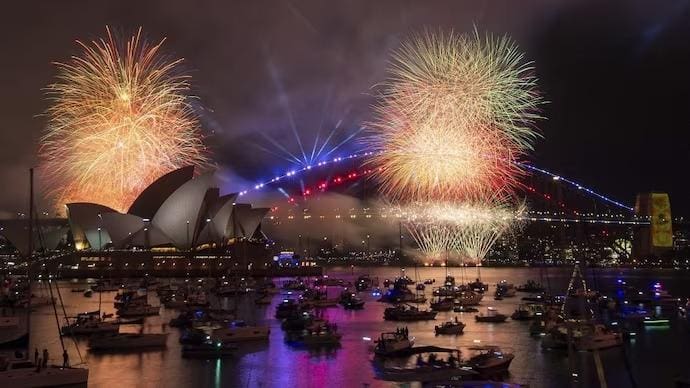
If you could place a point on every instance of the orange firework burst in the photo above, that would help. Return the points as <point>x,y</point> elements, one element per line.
<point>454,115</point>
<point>121,117</point>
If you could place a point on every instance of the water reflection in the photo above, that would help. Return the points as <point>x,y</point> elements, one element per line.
<point>656,353</point>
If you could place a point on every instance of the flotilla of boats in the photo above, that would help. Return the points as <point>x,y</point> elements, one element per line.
<point>211,333</point>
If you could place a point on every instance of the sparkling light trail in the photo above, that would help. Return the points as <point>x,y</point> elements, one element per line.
<point>454,115</point>
<point>120,119</point>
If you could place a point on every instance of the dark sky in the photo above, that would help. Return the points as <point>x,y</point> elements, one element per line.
<point>616,74</point>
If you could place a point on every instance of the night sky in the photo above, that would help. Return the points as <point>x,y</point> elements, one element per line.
<point>616,75</point>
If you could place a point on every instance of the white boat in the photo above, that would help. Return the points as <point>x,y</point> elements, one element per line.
<point>24,374</point>
<point>128,341</point>
<point>240,334</point>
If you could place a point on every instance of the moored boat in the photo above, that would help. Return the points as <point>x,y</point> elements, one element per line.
<point>408,313</point>
<point>492,315</point>
<point>450,327</point>
<point>490,361</point>
<point>393,343</point>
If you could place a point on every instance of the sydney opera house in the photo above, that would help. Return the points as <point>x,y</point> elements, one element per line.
<point>180,215</point>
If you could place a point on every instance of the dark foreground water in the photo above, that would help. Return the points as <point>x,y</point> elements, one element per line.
<point>657,356</point>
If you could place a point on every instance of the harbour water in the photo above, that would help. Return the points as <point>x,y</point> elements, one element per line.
<point>653,359</point>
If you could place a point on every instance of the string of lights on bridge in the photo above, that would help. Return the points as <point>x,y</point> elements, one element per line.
<point>339,179</point>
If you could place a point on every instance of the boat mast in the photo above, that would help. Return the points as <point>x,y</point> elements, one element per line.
<point>29,252</point>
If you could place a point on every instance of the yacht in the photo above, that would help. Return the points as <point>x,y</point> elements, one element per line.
<point>323,335</point>
<point>450,327</point>
<point>598,337</point>
<point>505,289</point>
<point>531,287</point>
<point>24,374</point>
<point>88,326</point>
<point>468,298</point>
<point>13,332</point>
<point>127,341</point>
<point>394,343</point>
<point>490,361</point>
<point>522,313</point>
<point>435,369</point>
<point>445,304</point>
<point>408,313</point>
<point>492,315</point>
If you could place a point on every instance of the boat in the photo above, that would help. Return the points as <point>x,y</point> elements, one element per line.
<point>450,327</point>
<point>492,315</point>
<point>522,313</point>
<point>538,298</point>
<point>465,309</point>
<point>208,350</point>
<point>324,334</point>
<point>408,313</point>
<point>420,287</point>
<point>435,369</point>
<point>133,321</point>
<point>138,310</point>
<point>445,304</point>
<point>88,292</point>
<point>193,336</point>
<point>505,289</point>
<point>478,286</point>
<point>598,337</point>
<point>20,372</point>
<point>240,333</point>
<point>656,321</point>
<point>531,287</point>
<point>93,325</point>
<point>294,285</point>
<point>326,281</point>
<point>399,293</point>
<point>13,332</point>
<point>127,341</point>
<point>393,343</point>
<point>429,281</point>
<point>286,308</point>
<point>468,298</point>
<point>351,301</point>
<point>490,361</point>
<point>25,374</point>
<point>363,283</point>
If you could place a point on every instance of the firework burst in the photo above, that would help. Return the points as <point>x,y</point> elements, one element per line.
<point>121,117</point>
<point>468,229</point>
<point>454,115</point>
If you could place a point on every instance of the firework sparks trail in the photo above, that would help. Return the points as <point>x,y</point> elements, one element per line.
<point>469,229</point>
<point>454,115</point>
<point>121,117</point>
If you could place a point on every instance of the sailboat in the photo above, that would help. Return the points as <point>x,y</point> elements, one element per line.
<point>20,371</point>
